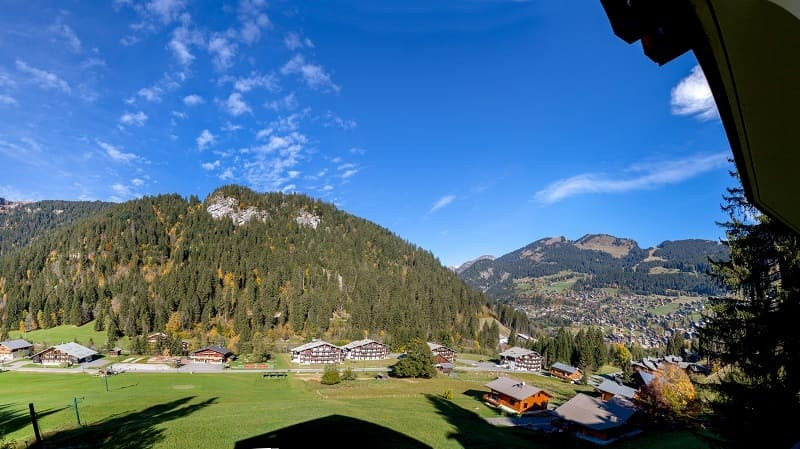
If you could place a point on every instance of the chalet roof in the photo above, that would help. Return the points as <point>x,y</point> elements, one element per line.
<point>673,358</point>
<point>646,377</point>
<point>564,367</point>
<point>218,349</point>
<point>435,346</point>
<point>313,344</point>
<point>357,343</point>
<point>516,351</point>
<point>609,386</point>
<point>595,414</point>
<point>74,350</point>
<point>13,345</point>
<point>515,388</point>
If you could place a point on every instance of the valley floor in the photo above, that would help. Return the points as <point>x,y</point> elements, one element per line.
<point>219,411</point>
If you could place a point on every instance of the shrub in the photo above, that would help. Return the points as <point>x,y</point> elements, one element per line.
<point>448,394</point>
<point>348,374</point>
<point>331,376</point>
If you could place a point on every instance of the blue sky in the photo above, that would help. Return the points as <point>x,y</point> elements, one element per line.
<point>469,128</point>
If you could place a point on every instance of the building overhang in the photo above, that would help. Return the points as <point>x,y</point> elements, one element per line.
<point>748,50</point>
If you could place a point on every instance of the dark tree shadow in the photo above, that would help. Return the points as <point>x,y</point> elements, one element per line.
<point>16,416</point>
<point>331,432</point>
<point>128,430</point>
<point>474,432</point>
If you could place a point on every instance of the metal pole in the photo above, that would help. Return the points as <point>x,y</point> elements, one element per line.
<point>106,379</point>
<point>77,414</point>
<point>35,423</point>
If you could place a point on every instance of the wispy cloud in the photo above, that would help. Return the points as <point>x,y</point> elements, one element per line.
<point>443,201</point>
<point>43,78</point>
<point>638,177</point>
<point>211,165</point>
<point>692,97</point>
<point>222,50</point>
<point>253,19</point>
<point>254,80</point>
<point>313,74</point>
<point>334,121</point>
<point>115,153</point>
<point>288,102</point>
<point>7,100</point>
<point>294,41</point>
<point>235,105</point>
<point>133,119</point>
<point>205,139</point>
<point>66,35</point>
<point>193,100</point>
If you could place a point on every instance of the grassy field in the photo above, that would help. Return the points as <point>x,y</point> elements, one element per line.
<point>66,333</point>
<point>168,411</point>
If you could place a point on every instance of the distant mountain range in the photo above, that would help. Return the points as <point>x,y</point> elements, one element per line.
<point>555,265</point>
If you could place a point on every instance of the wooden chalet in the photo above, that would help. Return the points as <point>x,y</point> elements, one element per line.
<point>595,420</point>
<point>609,389</point>
<point>515,396</point>
<point>522,359</point>
<point>565,372</point>
<point>211,354</point>
<point>366,350</point>
<point>65,354</point>
<point>318,351</point>
<point>155,339</point>
<point>14,349</point>
<point>442,354</point>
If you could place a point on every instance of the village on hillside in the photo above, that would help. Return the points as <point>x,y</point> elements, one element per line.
<point>613,408</point>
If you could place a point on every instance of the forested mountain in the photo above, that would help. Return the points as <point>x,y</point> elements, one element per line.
<point>236,268</point>
<point>598,261</point>
<point>22,222</point>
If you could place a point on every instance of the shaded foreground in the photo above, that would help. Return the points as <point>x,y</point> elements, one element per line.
<point>219,411</point>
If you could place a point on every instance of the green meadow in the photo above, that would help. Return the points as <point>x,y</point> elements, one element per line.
<point>219,410</point>
<point>66,333</point>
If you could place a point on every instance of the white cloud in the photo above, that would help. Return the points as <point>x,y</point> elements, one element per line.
<point>69,37</point>
<point>43,78</point>
<point>692,96</point>
<point>182,40</point>
<point>314,75</point>
<point>230,127</point>
<point>166,10</point>
<point>150,93</point>
<point>222,51</point>
<point>263,133</point>
<point>333,120</point>
<point>133,119</point>
<point>193,100</point>
<point>137,182</point>
<point>443,201</point>
<point>205,139</point>
<point>226,175</point>
<point>288,102</point>
<point>210,165</point>
<point>7,100</point>
<point>236,105</point>
<point>246,84</point>
<point>270,166</point>
<point>349,173</point>
<point>638,177</point>
<point>253,19</point>
<point>327,188</point>
<point>115,153</point>
<point>294,41</point>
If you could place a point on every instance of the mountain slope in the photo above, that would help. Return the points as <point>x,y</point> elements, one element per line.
<point>597,261</point>
<point>22,222</point>
<point>235,268</point>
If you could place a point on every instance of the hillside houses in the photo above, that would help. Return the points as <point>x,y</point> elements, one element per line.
<point>442,354</point>
<point>366,350</point>
<point>595,420</point>
<point>515,395</point>
<point>317,352</point>
<point>522,359</point>
<point>14,349</point>
<point>566,372</point>
<point>211,354</point>
<point>65,354</point>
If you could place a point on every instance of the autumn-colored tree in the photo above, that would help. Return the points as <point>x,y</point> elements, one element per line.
<point>670,394</point>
